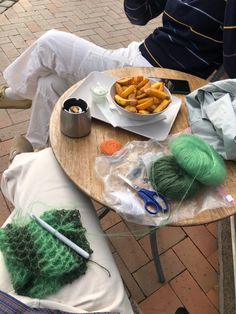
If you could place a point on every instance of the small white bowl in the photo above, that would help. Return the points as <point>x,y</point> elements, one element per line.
<point>134,115</point>
<point>99,94</point>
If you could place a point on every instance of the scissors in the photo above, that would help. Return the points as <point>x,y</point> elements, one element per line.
<point>154,202</point>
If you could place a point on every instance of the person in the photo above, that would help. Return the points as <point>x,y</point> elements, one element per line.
<point>35,183</point>
<point>196,37</point>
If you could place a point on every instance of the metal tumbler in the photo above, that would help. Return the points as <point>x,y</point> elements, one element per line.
<point>75,118</point>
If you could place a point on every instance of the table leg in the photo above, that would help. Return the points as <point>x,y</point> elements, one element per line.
<point>153,241</point>
<point>155,254</point>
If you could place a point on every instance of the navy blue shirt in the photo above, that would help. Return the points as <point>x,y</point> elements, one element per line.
<point>193,36</point>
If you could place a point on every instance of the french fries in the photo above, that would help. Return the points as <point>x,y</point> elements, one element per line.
<point>139,95</point>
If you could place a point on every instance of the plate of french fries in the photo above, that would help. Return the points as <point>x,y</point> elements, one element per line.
<point>140,98</point>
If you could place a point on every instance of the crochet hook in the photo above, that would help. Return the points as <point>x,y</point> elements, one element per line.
<point>60,236</point>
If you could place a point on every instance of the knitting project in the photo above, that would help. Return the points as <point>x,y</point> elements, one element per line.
<point>39,264</point>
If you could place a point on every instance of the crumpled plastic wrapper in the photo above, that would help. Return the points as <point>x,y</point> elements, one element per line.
<point>134,162</point>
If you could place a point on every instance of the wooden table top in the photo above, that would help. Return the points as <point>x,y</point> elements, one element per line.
<point>77,156</point>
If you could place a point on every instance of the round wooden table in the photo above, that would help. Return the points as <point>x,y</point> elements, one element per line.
<point>77,156</point>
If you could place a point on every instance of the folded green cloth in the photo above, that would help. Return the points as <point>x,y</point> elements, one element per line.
<point>39,263</point>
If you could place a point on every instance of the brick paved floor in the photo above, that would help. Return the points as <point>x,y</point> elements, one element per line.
<point>6,4</point>
<point>189,255</point>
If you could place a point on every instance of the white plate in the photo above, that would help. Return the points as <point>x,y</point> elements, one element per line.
<point>158,130</point>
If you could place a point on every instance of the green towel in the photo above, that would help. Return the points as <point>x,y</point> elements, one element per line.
<point>39,263</point>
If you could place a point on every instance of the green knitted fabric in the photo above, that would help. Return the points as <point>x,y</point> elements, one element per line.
<point>39,263</point>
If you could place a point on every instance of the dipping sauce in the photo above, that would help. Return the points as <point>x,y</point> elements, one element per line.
<point>99,94</point>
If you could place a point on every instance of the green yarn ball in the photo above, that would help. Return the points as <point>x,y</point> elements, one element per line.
<point>199,159</point>
<point>172,181</point>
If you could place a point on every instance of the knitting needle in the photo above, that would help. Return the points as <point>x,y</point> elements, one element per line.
<point>60,236</point>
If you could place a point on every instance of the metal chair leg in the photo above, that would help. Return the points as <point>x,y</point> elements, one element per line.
<point>153,241</point>
<point>102,212</point>
<point>155,254</point>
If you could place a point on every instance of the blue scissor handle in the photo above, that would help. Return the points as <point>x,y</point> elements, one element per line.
<point>150,199</point>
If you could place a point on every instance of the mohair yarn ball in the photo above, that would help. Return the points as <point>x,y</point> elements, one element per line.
<point>199,159</point>
<point>171,180</point>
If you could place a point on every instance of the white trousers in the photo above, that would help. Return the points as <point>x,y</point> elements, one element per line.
<point>35,182</point>
<point>53,63</point>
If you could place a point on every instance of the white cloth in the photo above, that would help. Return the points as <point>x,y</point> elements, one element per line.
<point>34,182</point>
<point>53,63</point>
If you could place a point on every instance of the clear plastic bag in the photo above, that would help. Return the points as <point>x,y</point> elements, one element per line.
<point>134,162</point>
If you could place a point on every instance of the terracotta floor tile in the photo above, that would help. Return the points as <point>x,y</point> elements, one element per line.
<point>203,239</point>
<point>166,237</point>
<point>198,266</point>
<point>214,260</point>
<point>21,116</point>
<point>4,119</point>
<point>213,228</point>
<point>138,231</point>
<point>129,280</point>
<point>33,26</point>
<point>11,111</point>
<point>147,277</point>
<point>97,205</point>
<point>4,162</point>
<point>10,131</point>
<point>191,295</point>
<point>5,147</point>
<point>9,205</point>
<point>110,219</point>
<point>164,301</point>
<point>4,211</point>
<point>127,247</point>
<point>111,246</point>
<point>213,296</point>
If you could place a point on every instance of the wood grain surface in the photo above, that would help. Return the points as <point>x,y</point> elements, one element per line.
<point>77,156</point>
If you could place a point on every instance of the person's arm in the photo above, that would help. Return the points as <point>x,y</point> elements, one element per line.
<point>139,12</point>
<point>229,47</point>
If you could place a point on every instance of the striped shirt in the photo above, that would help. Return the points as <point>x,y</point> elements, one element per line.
<point>191,38</point>
<point>11,305</point>
<point>229,48</point>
